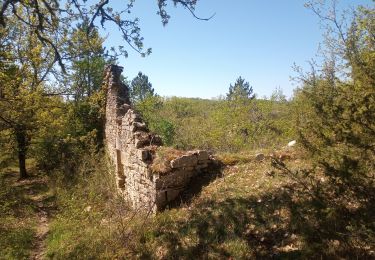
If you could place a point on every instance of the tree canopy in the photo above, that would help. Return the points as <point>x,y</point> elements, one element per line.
<point>21,88</point>
<point>240,90</point>
<point>51,20</point>
<point>336,102</point>
<point>140,88</point>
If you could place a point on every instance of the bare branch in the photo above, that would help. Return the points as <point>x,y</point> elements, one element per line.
<point>4,7</point>
<point>53,46</point>
<point>186,5</point>
<point>46,16</point>
<point>8,122</point>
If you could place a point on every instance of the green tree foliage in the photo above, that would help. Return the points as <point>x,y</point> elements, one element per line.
<point>18,106</point>
<point>140,88</point>
<point>43,124</point>
<point>88,61</point>
<point>240,117</point>
<point>82,121</point>
<point>22,87</point>
<point>150,108</point>
<point>336,117</point>
<point>278,95</point>
<point>241,90</point>
<point>149,104</point>
<point>79,54</point>
<point>85,80</point>
<point>53,16</point>
<point>188,123</point>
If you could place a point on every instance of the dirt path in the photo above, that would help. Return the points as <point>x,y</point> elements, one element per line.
<point>42,230</point>
<point>37,192</point>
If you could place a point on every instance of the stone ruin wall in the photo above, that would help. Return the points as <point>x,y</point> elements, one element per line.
<point>132,147</point>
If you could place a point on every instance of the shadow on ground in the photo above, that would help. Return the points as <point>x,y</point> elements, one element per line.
<point>284,223</point>
<point>195,187</point>
<point>23,205</point>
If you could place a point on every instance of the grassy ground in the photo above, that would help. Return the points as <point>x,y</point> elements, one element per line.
<point>24,209</point>
<point>244,214</point>
<point>254,211</point>
<point>251,211</point>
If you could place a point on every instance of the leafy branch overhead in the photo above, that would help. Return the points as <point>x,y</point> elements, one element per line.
<point>52,20</point>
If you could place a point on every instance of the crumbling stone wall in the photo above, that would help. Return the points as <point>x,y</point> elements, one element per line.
<point>132,148</point>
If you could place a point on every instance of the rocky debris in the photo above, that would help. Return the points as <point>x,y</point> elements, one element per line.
<point>284,157</point>
<point>184,161</point>
<point>87,209</point>
<point>123,109</point>
<point>131,147</point>
<point>259,157</point>
<point>144,154</point>
<point>285,153</point>
<point>138,126</point>
<point>281,155</point>
<point>202,156</point>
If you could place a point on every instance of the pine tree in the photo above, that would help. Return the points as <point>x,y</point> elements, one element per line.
<point>140,88</point>
<point>240,90</point>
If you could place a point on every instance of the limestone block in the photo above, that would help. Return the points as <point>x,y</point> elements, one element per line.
<point>184,161</point>
<point>200,167</point>
<point>259,157</point>
<point>123,109</point>
<point>172,194</point>
<point>156,140</point>
<point>175,179</point>
<point>161,198</point>
<point>138,126</point>
<point>132,116</point>
<point>120,183</point>
<point>190,174</point>
<point>204,162</point>
<point>202,155</point>
<point>141,139</point>
<point>144,155</point>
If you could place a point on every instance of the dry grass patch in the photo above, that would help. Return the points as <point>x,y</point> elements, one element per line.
<point>255,211</point>
<point>162,158</point>
<point>231,159</point>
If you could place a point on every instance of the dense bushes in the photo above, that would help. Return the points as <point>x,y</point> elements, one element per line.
<point>219,125</point>
<point>337,108</point>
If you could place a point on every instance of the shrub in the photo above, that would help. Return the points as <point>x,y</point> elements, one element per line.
<point>336,114</point>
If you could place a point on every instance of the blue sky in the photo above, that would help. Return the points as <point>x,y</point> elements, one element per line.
<point>256,39</point>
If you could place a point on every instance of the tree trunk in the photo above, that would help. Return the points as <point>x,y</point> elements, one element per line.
<point>22,147</point>
<point>22,165</point>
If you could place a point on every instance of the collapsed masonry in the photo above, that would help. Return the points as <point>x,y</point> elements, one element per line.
<point>132,150</point>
